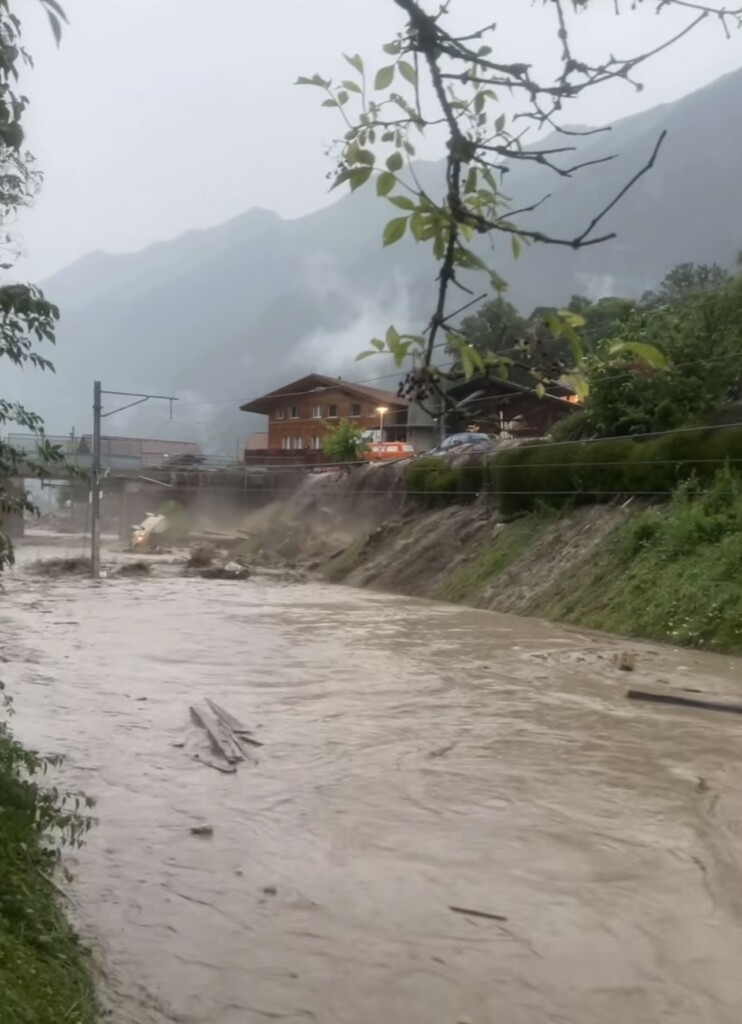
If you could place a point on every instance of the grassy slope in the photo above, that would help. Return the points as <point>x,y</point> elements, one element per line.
<point>45,976</point>
<point>671,573</point>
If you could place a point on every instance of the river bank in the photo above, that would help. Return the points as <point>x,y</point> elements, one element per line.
<point>416,757</point>
<point>45,975</point>
<point>666,572</point>
<point>663,571</point>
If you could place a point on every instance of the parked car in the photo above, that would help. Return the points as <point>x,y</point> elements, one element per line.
<point>466,440</point>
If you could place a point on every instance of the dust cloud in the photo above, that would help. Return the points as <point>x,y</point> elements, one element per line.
<point>416,757</point>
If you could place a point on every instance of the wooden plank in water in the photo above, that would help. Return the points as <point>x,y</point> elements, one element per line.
<point>702,704</point>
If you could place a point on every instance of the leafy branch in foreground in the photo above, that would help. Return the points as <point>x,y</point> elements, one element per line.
<point>26,317</point>
<point>436,79</point>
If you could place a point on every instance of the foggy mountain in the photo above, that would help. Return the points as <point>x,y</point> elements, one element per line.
<point>221,315</point>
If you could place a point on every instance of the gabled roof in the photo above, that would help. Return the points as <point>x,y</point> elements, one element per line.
<point>319,383</point>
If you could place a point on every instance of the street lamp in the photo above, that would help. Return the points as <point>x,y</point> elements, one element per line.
<point>381,409</point>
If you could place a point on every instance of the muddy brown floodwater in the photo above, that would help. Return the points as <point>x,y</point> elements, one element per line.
<point>416,757</point>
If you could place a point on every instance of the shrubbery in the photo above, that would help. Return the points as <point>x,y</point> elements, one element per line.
<point>433,481</point>
<point>544,473</point>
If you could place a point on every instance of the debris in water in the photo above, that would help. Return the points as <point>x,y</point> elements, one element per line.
<point>688,702</point>
<point>270,890</point>
<point>240,730</point>
<point>135,569</point>
<point>61,566</point>
<point>229,738</point>
<point>226,769</point>
<point>478,913</point>
<point>230,571</point>
<point>202,830</point>
<point>441,751</point>
<point>201,556</point>
<point>625,661</point>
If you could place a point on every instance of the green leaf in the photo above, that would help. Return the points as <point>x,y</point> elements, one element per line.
<point>393,48</point>
<point>317,80</point>
<point>365,156</point>
<point>408,72</point>
<point>471,180</point>
<point>540,389</point>
<point>364,355</point>
<point>392,337</point>
<point>479,101</point>
<point>484,51</point>
<point>515,246</point>
<point>384,77</point>
<point>378,344</point>
<point>385,183</point>
<point>500,123</point>
<point>330,103</point>
<point>355,62</point>
<point>395,162</point>
<point>394,230</point>
<point>342,97</point>
<point>358,176</point>
<point>417,225</point>
<point>648,354</point>
<point>403,202</point>
<point>351,86</point>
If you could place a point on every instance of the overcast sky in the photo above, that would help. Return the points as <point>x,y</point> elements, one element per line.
<point>156,116</point>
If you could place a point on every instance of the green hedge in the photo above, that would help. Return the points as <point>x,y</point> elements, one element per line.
<point>600,471</point>
<point>544,473</point>
<point>433,482</point>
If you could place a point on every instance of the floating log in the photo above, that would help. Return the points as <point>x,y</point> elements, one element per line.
<point>478,913</point>
<point>687,702</point>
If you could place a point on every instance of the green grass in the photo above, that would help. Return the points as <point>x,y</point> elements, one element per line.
<point>671,574</point>
<point>490,558</point>
<point>45,975</point>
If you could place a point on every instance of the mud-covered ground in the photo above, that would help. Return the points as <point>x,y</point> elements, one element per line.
<point>416,757</point>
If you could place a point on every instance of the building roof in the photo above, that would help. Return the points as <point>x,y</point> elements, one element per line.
<point>317,383</point>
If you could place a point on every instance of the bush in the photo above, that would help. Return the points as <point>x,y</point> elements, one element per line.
<point>433,482</point>
<point>600,471</point>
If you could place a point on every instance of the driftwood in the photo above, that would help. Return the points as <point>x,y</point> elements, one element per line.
<point>478,913</point>
<point>229,737</point>
<point>686,702</point>
<point>230,722</point>
<point>222,740</point>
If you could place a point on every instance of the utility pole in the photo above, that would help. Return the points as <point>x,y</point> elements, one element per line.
<point>99,415</point>
<point>95,493</point>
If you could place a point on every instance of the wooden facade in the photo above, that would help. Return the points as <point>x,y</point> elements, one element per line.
<point>301,413</point>
<point>507,409</point>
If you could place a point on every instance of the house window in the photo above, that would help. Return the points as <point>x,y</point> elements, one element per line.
<point>296,443</point>
<point>355,409</point>
<point>285,443</point>
<point>279,414</point>
<point>294,412</point>
<point>333,412</point>
<point>316,412</point>
<point>316,442</point>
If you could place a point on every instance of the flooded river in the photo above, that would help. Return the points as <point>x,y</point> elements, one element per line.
<point>416,757</point>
